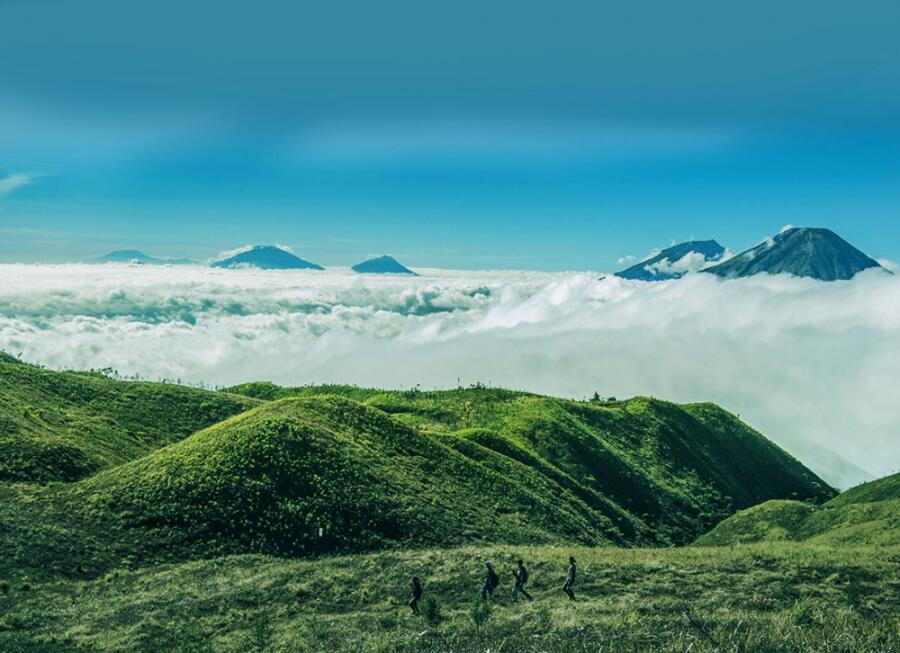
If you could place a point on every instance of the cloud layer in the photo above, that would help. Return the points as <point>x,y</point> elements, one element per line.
<point>11,182</point>
<point>803,361</point>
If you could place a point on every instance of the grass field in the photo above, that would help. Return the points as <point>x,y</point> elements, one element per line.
<point>784,598</point>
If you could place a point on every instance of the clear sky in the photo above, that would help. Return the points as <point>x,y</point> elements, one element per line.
<point>540,135</point>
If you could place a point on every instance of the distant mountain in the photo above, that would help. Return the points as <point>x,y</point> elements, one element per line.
<point>266,257</point>
<point>802,252</point>
<point>135,256</point>
<point>382,265</point>
<point>676,261</point>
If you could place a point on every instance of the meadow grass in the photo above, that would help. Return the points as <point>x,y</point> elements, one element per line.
<point>773,597</point>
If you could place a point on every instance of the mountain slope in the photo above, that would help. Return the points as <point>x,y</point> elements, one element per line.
<point>802,252</point>
<point>321,473</point>
<point>136,256</point>
<point>382,265</point>
<point>866,515</point>
<point>674,262</point>
<point>266,257</point>
<point>61,426</point>
<point>652,466</point>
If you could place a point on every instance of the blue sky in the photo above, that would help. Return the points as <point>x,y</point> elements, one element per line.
<point>518,135</point>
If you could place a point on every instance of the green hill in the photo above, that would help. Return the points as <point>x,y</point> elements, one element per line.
<point>62,426</point>
<point>427,483</point>
<point>322,473</point>
<point>865,515</point>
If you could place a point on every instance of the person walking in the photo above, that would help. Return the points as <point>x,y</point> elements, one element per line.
<point>570,579</point>
<point>415,594</point>
<point>490,581</point>
<point>520,573</point>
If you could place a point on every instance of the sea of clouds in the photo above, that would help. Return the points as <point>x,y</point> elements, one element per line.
<point>813,365</point>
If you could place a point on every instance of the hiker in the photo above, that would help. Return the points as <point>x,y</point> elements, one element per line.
<point>490,581</point>
<point>521,576</point>
<point>415,594</point>
<point>570,579</point>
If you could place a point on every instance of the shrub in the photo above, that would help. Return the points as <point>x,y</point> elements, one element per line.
<point>431,611</point>
<point>480,612</point>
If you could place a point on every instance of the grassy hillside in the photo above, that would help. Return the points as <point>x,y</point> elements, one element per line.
<point>866,515</point>
<point>882,489</point>
<point>773,599</point>
<point>672,468</point>
<point>211,522</point>
<point>62,426</point>
<point>322,474</point>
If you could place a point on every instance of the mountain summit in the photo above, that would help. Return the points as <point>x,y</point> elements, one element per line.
<point>266,257</point>
<point>676,261</point>
<point>802,252</point>
<point>382,265</point>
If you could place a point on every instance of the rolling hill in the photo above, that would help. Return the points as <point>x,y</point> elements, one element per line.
<point>62,426</point>
<point>338,469</point>
<point>803,252</point>
<point>657,469</point>
<point>266,257</point>
<point>868,514</point>
<point>675,261</point>
<point>232,538</point>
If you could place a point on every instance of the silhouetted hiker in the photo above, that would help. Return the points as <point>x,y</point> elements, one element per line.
<point>521,576</point>
<point>490,581</point>
<point>415,594</point>
<point>570,579</point>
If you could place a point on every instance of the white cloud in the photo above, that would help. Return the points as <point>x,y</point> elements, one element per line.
<point>798,359</point>
<point>245,248</point>
<point>626,260</point>
<point>690,262</point>
<point>228,253</point>
<point>11,182</point>
<point>786,227</point>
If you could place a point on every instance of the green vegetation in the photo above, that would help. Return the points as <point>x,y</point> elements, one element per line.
<point>866,515</point>
<point>321,473</point>
<point>62,426</point>
<point>772,598</point>
<point>153,517</point>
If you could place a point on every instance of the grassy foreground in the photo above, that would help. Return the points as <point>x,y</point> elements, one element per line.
<point>773,597</point>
